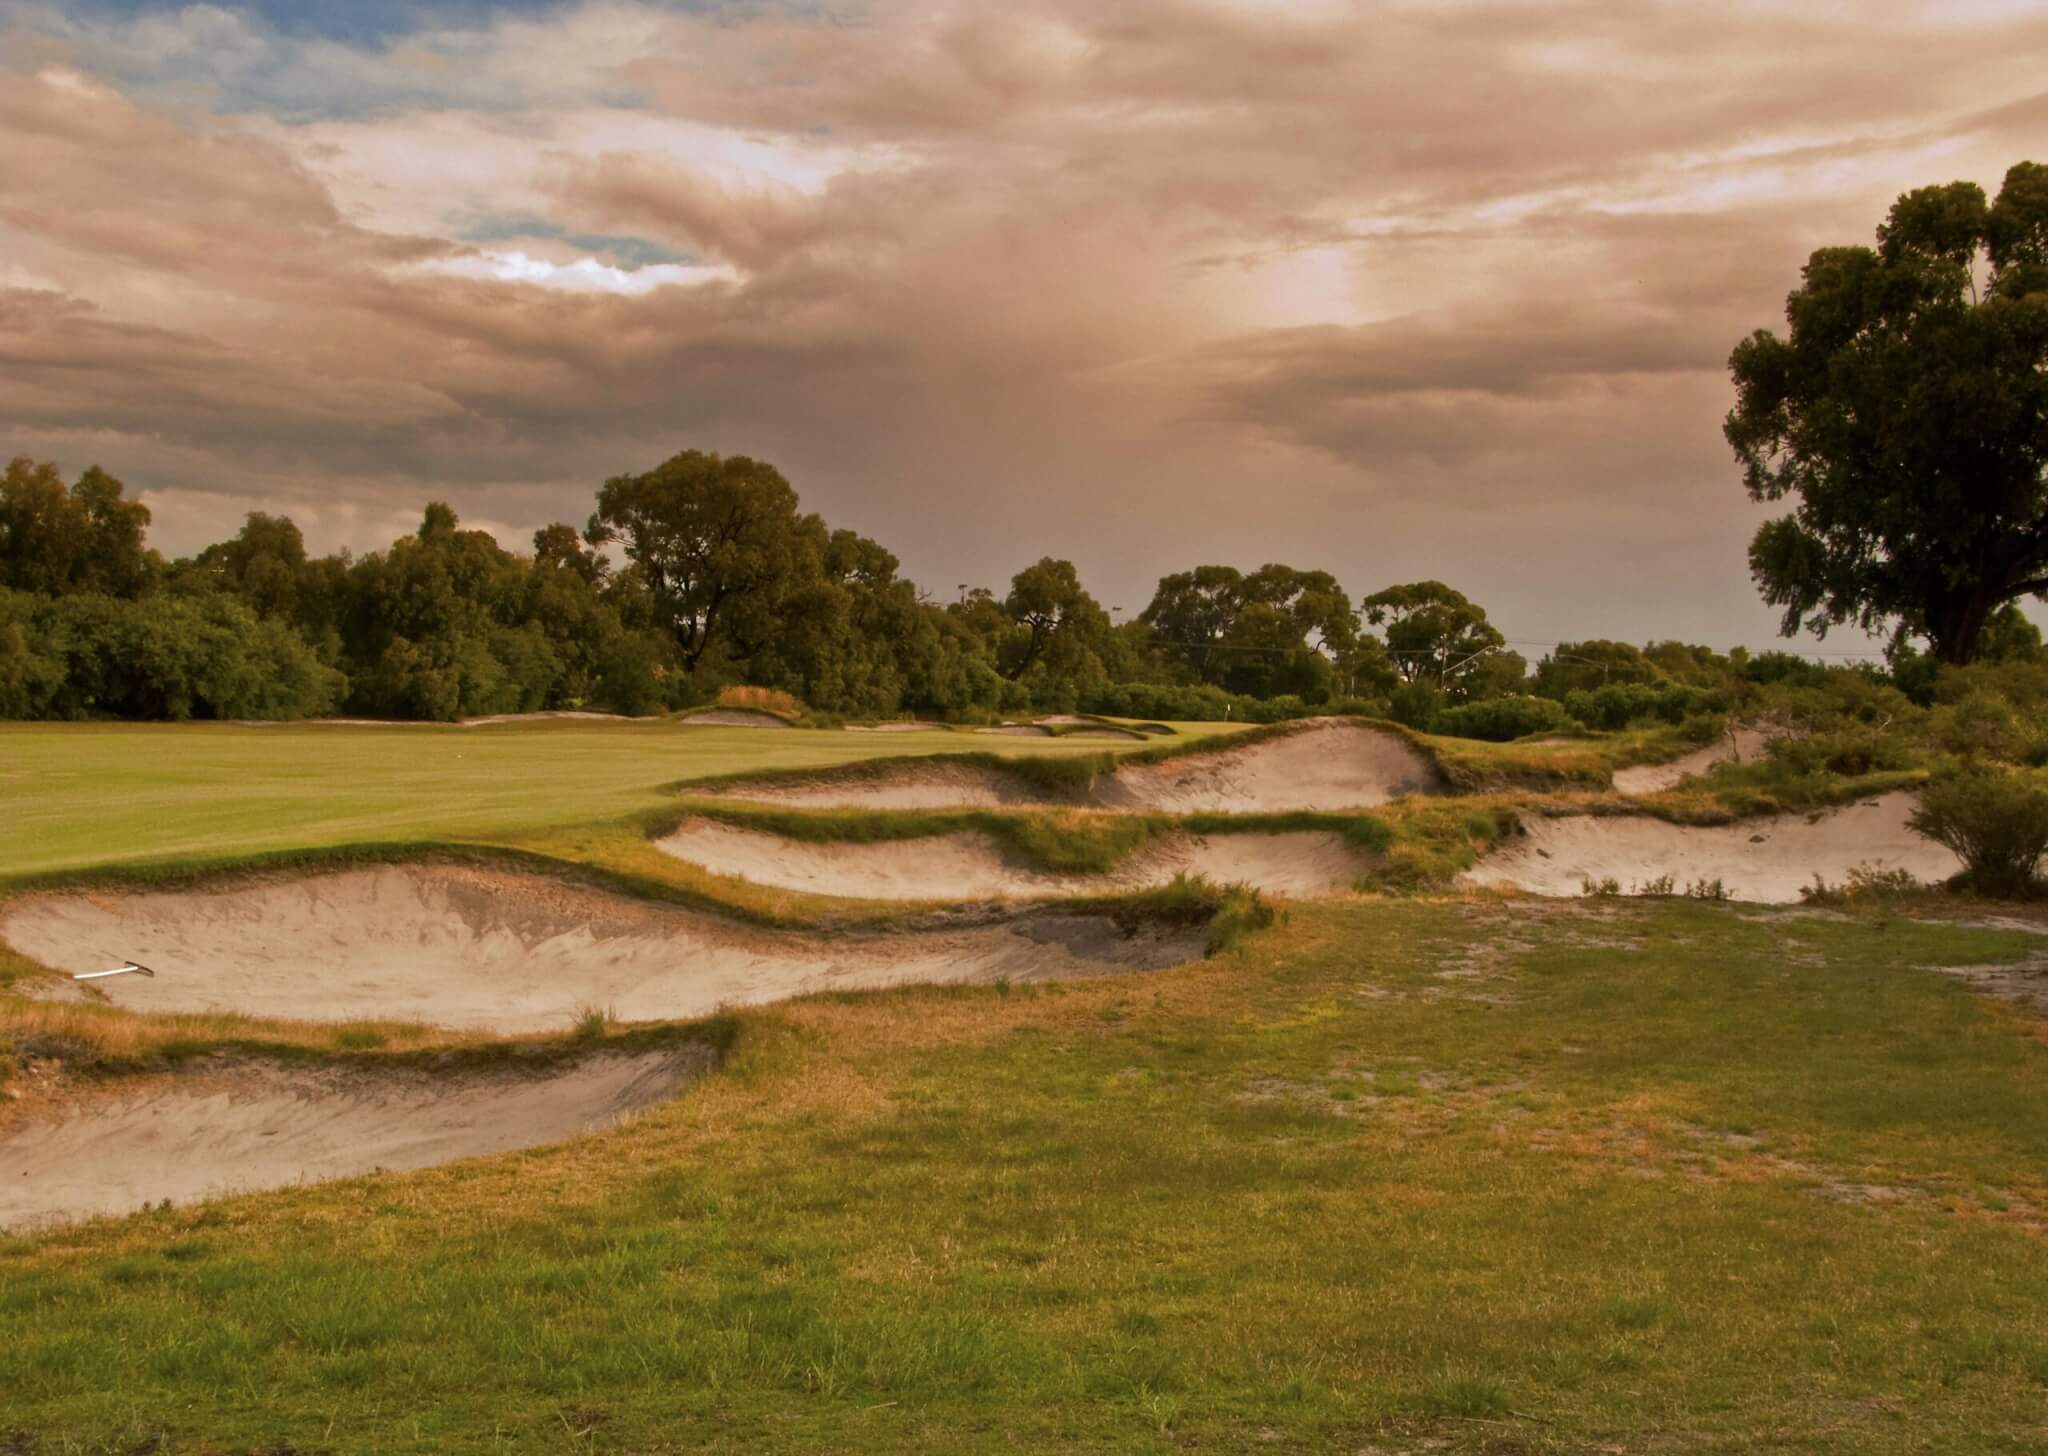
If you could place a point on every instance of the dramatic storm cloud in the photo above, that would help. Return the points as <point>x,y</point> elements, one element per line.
<point>1394,290</point>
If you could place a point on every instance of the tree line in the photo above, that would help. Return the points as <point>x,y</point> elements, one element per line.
<point>706,571</point>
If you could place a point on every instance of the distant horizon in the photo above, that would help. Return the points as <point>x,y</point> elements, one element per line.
<point>1400,292</point>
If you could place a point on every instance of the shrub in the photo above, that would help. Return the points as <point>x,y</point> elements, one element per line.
<point>1499,720</point>
<point>1995,819</point>
<point>1619,704</point>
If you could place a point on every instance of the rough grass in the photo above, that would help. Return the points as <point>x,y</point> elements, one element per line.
<point>1404,1176</point>
<point>1060,841</point>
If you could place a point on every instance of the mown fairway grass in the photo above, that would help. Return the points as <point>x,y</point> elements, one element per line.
<point>1463,1175</point>
<point>73,795</point>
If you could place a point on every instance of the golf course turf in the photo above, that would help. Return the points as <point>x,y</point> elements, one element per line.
<point>1441,1172</point>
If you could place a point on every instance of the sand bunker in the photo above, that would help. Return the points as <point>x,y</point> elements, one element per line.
<point>255,1125</point>
<point>517,952</point>
<point>1742,746</point>
<point>733,718</point>
<point>974,866</point>
<point>1328,765</point>
<point>1765,860</point>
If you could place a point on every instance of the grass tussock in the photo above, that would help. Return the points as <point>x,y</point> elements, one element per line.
<point>763,700</point>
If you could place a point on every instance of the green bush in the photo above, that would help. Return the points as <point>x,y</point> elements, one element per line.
<point>1499,720</point>
<point>1619,704</point>
<point>1995,819</point>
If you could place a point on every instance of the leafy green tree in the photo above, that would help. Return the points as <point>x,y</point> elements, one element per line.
<point>1059,625</point>
<point>1906,412</point>
<point>1434,634</point>
<point>88,538</point>
<point>1584,666</point>
<point>720,543</point>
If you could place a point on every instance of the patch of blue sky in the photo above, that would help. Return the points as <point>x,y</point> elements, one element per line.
<point>350,22</point>
<point>622,251</point>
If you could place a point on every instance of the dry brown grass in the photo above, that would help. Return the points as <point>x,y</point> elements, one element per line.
<point>763,700</point>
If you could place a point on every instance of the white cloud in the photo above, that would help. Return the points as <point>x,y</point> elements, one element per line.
<point>584,275</point>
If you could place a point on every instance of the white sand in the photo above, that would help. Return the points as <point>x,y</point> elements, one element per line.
<point>256,1125</point>
<point>515,952</point>
<point>732,718</point>
<point>1744,745</point>
<point>1766,860</point>
<point>973,866</point>
<point>1321,765</point>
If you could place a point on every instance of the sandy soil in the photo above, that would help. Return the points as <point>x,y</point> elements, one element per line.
<point>733,718</point>
<point>1744,745</point>
<point>1328,765</point>
<point>894,727</point>
<point>1322,766</point>
<point>515,952</point>
<point>972,866</point>
<point>1763,860</point>
<point>255,1125</point>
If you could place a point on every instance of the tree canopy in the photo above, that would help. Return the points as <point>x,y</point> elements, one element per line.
<point>1906,412</point>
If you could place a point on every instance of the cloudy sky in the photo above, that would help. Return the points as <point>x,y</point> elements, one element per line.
<point>1399,290</point>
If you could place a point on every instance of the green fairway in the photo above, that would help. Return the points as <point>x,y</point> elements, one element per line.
<point>105,793</point>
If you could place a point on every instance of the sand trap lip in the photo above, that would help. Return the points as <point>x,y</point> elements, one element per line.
<point>1742,746</point>
<point>973,866</point>
<point>733,718</point>
<point>257,1125</point>
<point>1766,860</point>
<point>1321,765</point>
<point>519,952</point>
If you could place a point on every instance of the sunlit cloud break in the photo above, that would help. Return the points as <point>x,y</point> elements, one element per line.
<point>584,275</point>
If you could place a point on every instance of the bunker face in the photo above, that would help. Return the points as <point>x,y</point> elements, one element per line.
<point>1766,860</point>
<point>974,867</point>
<point>1323,766</point>
<point>516,952</point>
<point>254,1126</point>
<point>1744,745</point>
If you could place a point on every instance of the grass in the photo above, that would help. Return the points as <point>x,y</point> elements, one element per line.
<point>1404,1175</point>
<point>81,795</point>
<point>1409,1173</point>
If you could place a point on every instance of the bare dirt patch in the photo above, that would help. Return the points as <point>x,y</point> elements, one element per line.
<point>518,952</point>
<point>973,866</point>
<point>733,718</point>
<point>1766,860</point>
<point>1742,745</point>
<point>249,1125</point>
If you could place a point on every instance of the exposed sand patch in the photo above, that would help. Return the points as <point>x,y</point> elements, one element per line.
<point>1016,730</point>
<point>973,866</point>
<point>1326,765</point>
<point>1744,745</point>
<point>517,952</point>
<point>895,727</point>
<point>255,1125</point>
<point>1765,860</point>
<point>733,718</point>
<point>1322,765</point>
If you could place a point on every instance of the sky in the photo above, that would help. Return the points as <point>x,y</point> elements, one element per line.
<point>1394,290</point>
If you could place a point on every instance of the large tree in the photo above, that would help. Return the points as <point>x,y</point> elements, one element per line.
<point>720,543</point>
<point>1435,633</point>
<point>88,538</point>
<point>1907,412</point>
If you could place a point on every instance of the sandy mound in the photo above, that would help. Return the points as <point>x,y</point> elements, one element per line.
<point>258,1126</point>
<point>515,952</point>
<point>1741,746</point>
<point>1766,860</point>
<point>1322,766</point>
<point>733,718</point>
<point>1328,765</point>
<point>974,866</point>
